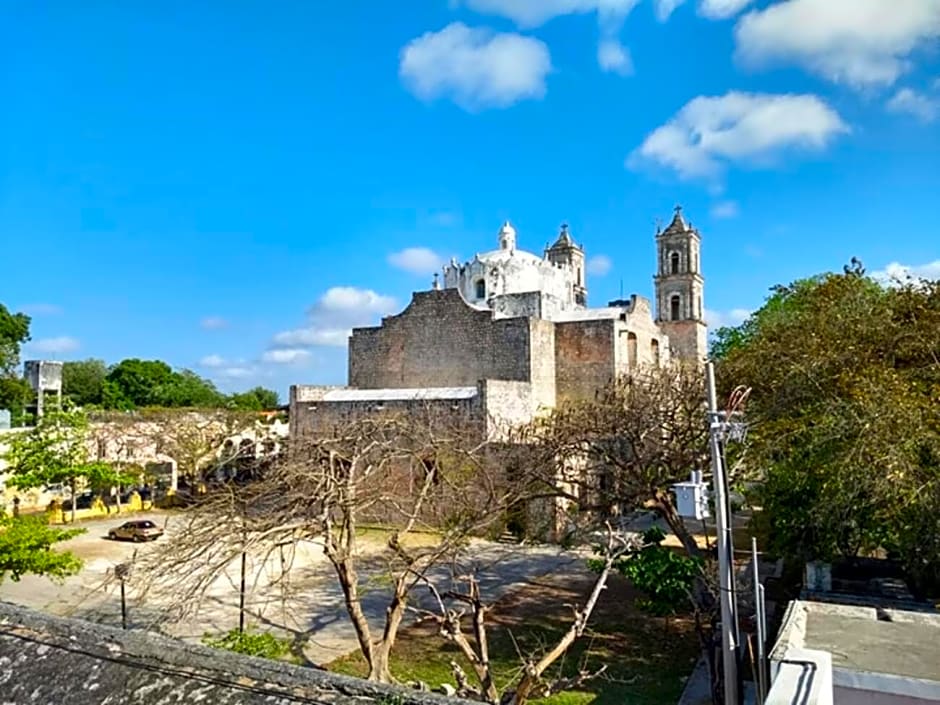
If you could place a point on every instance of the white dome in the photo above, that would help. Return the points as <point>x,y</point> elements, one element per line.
<point>507,229</point>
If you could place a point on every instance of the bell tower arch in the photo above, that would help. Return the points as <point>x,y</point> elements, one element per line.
<point>680,288</point>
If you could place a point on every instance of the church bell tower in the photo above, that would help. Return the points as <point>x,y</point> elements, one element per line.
<point>679,289</point>
<point>566,253</point>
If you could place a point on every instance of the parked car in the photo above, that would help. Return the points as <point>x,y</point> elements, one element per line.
<point>141,530</point>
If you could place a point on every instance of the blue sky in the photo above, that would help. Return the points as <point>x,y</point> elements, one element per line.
<point>230,186</point>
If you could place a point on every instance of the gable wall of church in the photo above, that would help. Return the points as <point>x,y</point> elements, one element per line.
<point>439,341</point>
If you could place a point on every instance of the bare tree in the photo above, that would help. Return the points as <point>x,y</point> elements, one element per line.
<point>409,473</point>
<point>454,605</point>
<point>624,449</point>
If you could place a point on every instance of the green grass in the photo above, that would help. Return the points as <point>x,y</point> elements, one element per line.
<point>647,660</point>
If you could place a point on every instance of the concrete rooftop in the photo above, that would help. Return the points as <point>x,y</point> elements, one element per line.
<point>872,648</point>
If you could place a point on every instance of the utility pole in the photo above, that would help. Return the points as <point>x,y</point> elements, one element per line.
<point>717,426</point>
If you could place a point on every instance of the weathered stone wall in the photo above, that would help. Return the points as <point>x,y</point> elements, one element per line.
<point>542,363</point>
<point>507,405</point>
<point>584,357</point>
<point>311,418</point>
<point>439,341</point>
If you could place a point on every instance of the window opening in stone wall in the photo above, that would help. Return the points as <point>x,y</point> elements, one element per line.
<point>481,289</point>
<point>631,349</point>
<point>674,263</point>
<point>654,350</point>
<point>675,304</point>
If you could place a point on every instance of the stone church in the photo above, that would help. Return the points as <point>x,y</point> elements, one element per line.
<point>509,333</point>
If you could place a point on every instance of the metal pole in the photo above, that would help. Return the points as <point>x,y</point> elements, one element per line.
<point>123,607</point>
<point>241,599</point>
<point>729,660</point>
<point>758,611</point>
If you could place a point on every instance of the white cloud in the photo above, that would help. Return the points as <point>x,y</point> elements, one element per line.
<point>709,133</point>
<point>236,372</point>
<point>41,309</point>
<point>664,8</point>
<point>533,13</point>
<point>725,209</point>
<point>314,336</point>
<point>858,42</point>
<point>331,319</point>
<point>721,9</point>
<point>350,300</point>
<point>213,323</point>
<point>614,57</point>
<point>721,319</point>
<point>286,356</point>
<point>476,68</point>
<point>417,260</point>
<point>897,273</point>
<point>599,265</point>
<point>924,108</point>
<point>55,346</point>
<point>213,361</point>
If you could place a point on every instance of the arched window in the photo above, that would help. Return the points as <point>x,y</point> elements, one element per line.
<point>654,351</point>
<point>675,305</point>
<point>481,289</point>
<point>674,263</point>
<point>631,349</point>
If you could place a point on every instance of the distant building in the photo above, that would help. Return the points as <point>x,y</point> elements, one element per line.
<point>510,333</point>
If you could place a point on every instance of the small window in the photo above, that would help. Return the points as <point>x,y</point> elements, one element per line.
<point>675,304</point>
<point>481,289</point>
<point>654,351</point>
<point>631,349</point>
<point>674,263</point>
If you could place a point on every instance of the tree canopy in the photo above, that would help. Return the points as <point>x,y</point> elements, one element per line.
<point>56,451</point>
<point>14,331</point>
<point>845,378</point>
<point>135,383</point>
<point>26,548</point>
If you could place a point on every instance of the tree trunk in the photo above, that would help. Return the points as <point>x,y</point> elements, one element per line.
<point>667,510</point>
<point>379,670</point>
<point>349,582</point>
<point>74,498</point>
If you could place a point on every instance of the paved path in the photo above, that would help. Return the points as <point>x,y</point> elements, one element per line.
<point>311,610</point>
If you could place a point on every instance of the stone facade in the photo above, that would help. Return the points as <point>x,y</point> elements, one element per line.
<point>679,289</point>
<point>510,334</point>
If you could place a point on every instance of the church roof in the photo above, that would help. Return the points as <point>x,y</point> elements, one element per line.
<point>678,224</point>
<point>503,255</point>
<point>404,394</point>
<point>564,238</point>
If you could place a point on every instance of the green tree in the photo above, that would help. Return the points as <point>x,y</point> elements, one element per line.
<point>845,376</point>
<point>54,451</point>
<point>83,381</point>
<point>186,389</point>
<point>664,576</point>
<point>134,383</point>
<point>14,331</point>
<point>256,399</point>
<point>139,382</point>
<point>26,548</point>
